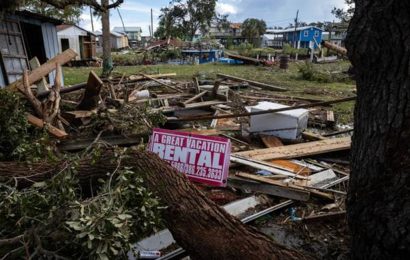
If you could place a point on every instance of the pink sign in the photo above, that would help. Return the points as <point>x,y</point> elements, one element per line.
<point>203,159</point>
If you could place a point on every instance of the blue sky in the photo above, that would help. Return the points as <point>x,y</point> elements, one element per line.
<point>274,12</point>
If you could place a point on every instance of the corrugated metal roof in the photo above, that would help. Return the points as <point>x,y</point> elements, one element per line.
<point>128,29</point>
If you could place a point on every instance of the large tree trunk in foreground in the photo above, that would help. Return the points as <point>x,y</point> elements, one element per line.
<point>202,228</point>
<point>378,45</point>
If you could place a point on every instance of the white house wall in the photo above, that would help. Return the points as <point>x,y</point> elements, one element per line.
<point>72,34</point>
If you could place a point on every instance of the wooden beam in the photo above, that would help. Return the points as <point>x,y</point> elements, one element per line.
<point>37,122</point>
<point>298,150</point>
<point>162,83</point>
<point>204,104</point>
<point>42,71</point>
<point>195,97</point>
<point>203,118</point>
<point>260,165</point>
<point>288,186</point>
<point>253,83</point>
<point>91,95</point>
<point>284,192</point>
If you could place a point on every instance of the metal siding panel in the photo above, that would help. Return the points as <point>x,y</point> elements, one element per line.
<point>2,81</point>
<point>50,45</point>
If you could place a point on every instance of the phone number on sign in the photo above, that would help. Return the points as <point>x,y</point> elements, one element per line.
<point>203,172</point>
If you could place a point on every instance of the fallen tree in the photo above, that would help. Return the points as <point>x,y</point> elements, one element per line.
<point>202,228</point>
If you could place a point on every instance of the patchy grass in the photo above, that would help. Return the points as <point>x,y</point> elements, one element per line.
<point>290,79</point>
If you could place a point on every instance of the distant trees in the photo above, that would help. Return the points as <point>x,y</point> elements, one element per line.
<point>345,15</point>
<point>69,14</point>
<point>184,18</point>
<point>252,29</point>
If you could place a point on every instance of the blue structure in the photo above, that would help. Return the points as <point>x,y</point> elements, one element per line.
<point>303,36</point>
<point>203,56</point>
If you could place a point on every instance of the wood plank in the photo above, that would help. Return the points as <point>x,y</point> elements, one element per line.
<point>325,217</point>
<point>45,69</point>
<point>195,98</point>
<point>91,95</point>
<point>291,167</point>
<point>253,83</point>
<point>162,83</point>
<point>271,141</point>
<point>289,193</point>
<point>35,121</point>
<point>312,136</point>
<point>261,165</point>
<point>279,183</point>
<point>298,150</point>
<point>204,104</point>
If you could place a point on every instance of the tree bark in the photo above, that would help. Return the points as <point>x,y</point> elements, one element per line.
<point>378,45</point>
<point>202,228</point>
<point>107,59</point>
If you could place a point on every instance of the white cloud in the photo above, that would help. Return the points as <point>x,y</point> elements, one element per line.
<point>224,8</point>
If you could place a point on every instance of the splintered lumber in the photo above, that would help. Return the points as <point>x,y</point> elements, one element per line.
<point>263,112</point>
<point>253,83</point>
<point>290,166</point>
<point>312,136</point>
<point>134,78</point>
<point>325,217</point>
<point>42,71</point>
<point>204,104</point>
<point>260,165</point>
<point>91,95</point>
<point>35,121</point>
<point>283,185</point>
<point>162,83</point>
<point>195,97</point>
<point>275,190</point>
<point>298,150</point>
<point>271,141</point>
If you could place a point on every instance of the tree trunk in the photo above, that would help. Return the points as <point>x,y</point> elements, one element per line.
<point>202,228</point>
<point>107,59</point>
<point>378,45</point>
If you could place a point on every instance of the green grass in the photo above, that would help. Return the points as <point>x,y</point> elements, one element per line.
<point>290,79</point>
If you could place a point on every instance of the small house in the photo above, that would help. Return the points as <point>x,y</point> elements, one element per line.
<point>118,40</point>
<point>23,36</point>
<point>133,33</point>
<point>78,39</point>
<point>301,37</point>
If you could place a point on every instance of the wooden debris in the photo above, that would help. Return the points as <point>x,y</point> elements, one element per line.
<point>195,97</point>
<point>253,83</point>
<point>162,83</point>
<point>271,141</point>
<point>42,83</point>
<point>325,217</point>
<point>275,190</point>
<point>312,136</point>
<point>35,121</point>
<point>261,165</point>
<point>284,185</point>
<point>204,104</point>
<point>91,95</point>
<point>45,69</point>
<point>298,150</point>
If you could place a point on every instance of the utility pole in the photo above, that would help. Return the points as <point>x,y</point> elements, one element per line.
<point>91,17</point>
<point>296,27</point>
<point>152,24</point>
<point>295,37</point>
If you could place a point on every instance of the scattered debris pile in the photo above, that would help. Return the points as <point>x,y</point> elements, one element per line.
<point>277,164</point>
